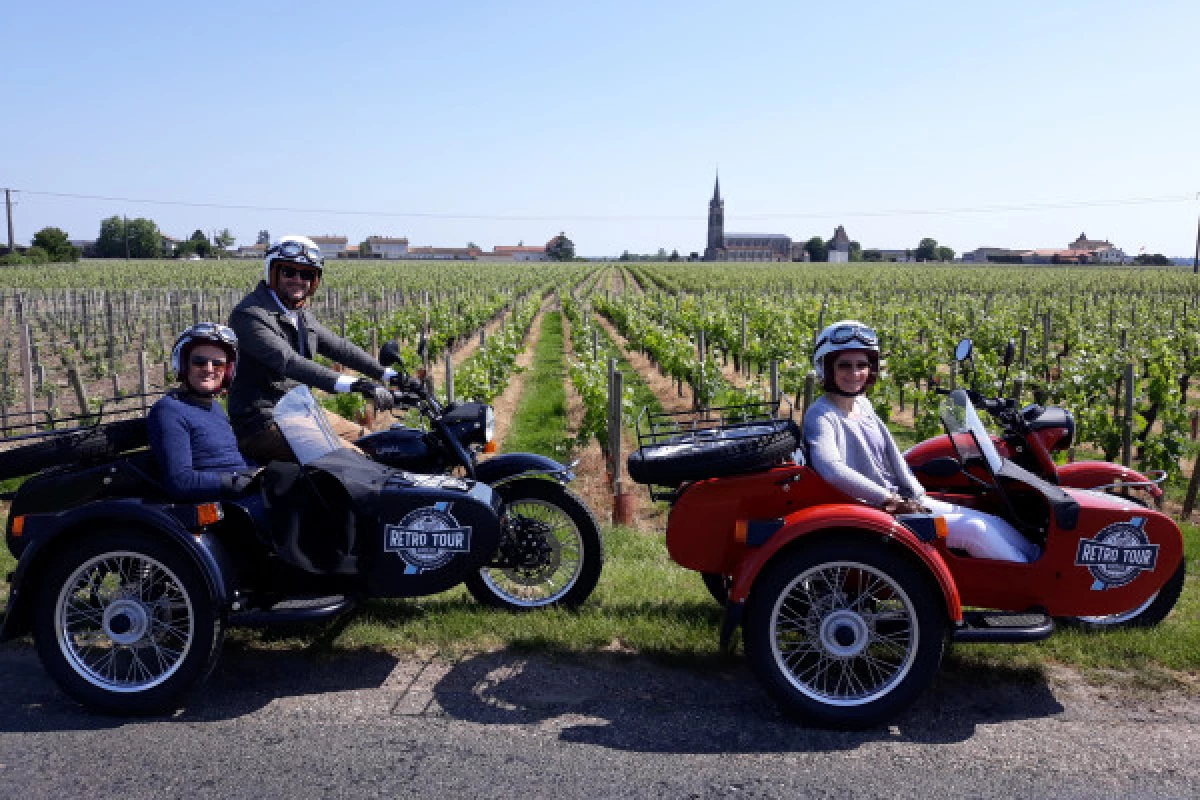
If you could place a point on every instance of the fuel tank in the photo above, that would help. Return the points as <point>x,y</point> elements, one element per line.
<point>404,448</point>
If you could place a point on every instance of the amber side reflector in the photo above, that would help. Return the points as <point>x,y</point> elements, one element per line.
<point>739,530</point>
<point>18,525</point>
<point>208,513</point>
<point>939,526</point>
<point>490,447</point>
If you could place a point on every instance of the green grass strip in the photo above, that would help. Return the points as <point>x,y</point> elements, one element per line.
<point>540,424</point>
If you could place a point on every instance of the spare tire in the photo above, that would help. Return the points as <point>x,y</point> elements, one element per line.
<point>713,453</point>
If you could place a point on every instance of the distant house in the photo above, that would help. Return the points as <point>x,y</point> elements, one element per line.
<point>86,247</point>
<point>331,246</point>
<point>169,244</point>
<point>251,251</point>
<point>443,253</point>
<point>994,255</point>
<point>388,247</point>
<point>1102,250</point>
<point>839,247</point>
<point>902,256</point>
<point>517,252</point>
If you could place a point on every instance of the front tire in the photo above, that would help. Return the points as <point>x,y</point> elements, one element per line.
<point>125,623</point>
<point>551,551</point>
<point>844,633</point>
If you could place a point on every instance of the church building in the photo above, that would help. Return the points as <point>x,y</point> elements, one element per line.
<point>741,246</point>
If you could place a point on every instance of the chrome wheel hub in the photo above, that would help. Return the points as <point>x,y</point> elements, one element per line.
<point>844,634</point>
<point>125,622</point>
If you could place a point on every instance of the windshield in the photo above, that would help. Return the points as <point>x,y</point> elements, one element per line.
<point>966,431</point>
<point>303,424</point>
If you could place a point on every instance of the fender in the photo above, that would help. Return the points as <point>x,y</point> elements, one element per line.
<point>1086,474</point>
<point>508,467</point>
<point>43,531</point>
<point>835,519</point>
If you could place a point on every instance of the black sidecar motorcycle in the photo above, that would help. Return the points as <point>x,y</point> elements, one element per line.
<point>127,593</point>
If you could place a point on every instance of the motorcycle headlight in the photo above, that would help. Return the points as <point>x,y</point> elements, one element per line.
<point>489,424</point>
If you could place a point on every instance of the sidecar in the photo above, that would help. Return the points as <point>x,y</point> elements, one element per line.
<point>127,593</point>
<point>845,610</point>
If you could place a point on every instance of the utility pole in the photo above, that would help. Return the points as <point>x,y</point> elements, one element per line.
<point>125,229</point>
<point>8,207</point>
<point>1195,258</point>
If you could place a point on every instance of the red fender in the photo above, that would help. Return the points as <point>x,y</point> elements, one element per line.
<point>843,517</point>
<point>1086,474</point>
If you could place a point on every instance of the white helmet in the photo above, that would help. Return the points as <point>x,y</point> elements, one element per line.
<point>205,333</point>
<point>848,334</point>
<point>299,250</point>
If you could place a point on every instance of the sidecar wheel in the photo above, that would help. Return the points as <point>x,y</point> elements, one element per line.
<point>1147,615</point>
<point>125,623</point>
<point>551,551</point>
<point>844,633</point>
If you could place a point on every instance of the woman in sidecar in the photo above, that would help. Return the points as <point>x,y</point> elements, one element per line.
<point>127,590</point>
<point>851,448</point>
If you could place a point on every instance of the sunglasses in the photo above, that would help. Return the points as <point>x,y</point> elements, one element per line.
<point>293,272</point>
<point>201,361</point>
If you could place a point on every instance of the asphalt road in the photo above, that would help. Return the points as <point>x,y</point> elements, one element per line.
<point>301,725</point>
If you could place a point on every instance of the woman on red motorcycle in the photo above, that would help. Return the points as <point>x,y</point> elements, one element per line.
<point>851,448</point>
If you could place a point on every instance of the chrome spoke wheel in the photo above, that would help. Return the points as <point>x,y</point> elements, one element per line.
<point>542,553</point>
<point>124,622</point>
<point>844,633</point>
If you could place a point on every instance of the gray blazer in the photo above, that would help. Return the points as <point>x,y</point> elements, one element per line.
<point>269,366</point>
<point>840,456</point>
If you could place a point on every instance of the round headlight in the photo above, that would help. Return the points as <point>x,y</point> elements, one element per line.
<point>489,424</point>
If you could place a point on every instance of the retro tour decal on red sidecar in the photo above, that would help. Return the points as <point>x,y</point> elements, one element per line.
<point>1117,554</point>
<point>427,538</point>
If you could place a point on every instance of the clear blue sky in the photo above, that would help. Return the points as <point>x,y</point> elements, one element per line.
<point>820,113</point>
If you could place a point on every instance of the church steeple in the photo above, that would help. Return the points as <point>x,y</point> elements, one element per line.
<point>715,250</point>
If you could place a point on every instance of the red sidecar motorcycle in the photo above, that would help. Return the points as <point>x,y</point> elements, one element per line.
<point>845,610</point>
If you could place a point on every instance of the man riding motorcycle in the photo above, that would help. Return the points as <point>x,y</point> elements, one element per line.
<point>279,336</point>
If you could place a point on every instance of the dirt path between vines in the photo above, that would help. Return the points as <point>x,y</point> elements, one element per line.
<point>662,386</point>
<point>505,405</point>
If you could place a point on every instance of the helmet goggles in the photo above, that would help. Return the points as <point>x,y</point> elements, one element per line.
<point>299,252</point>
<point>844,334</point>
<point>211,330</point>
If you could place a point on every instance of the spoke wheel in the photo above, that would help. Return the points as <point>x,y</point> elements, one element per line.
<point>550,552</point>
<point>845,633</point>
<point>124,623</point>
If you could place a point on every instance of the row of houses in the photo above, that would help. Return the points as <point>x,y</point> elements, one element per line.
<point>390,247</point>
<point>1081,251</point>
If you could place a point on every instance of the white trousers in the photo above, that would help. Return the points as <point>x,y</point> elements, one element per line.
<point>982,535</point>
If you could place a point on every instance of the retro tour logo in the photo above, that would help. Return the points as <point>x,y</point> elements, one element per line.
<point>1117,554</point>
<point>427,538</point>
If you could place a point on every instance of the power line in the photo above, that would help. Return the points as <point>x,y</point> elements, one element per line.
<point>846,214</point>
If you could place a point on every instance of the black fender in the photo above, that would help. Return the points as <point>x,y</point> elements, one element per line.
<point>44,535</point>
<point>508,467</point>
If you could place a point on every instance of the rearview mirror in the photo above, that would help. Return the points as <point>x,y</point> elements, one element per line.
<point>963,351</point>
<point>390,353</point>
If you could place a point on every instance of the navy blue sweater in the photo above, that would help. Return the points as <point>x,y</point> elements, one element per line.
<point>194,445</point>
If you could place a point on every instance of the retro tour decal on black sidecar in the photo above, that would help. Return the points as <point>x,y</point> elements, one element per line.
<point>427,538</point>
<point>1117,554</point>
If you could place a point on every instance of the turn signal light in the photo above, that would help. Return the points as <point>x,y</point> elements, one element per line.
<point>18,525</point>
<point>208,513</point>
<point>490,447</point>
<point>740,529</point>
<point>939,527</point>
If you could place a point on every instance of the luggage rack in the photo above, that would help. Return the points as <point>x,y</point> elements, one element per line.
<point>674,428</point>
<point>31,441</point>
